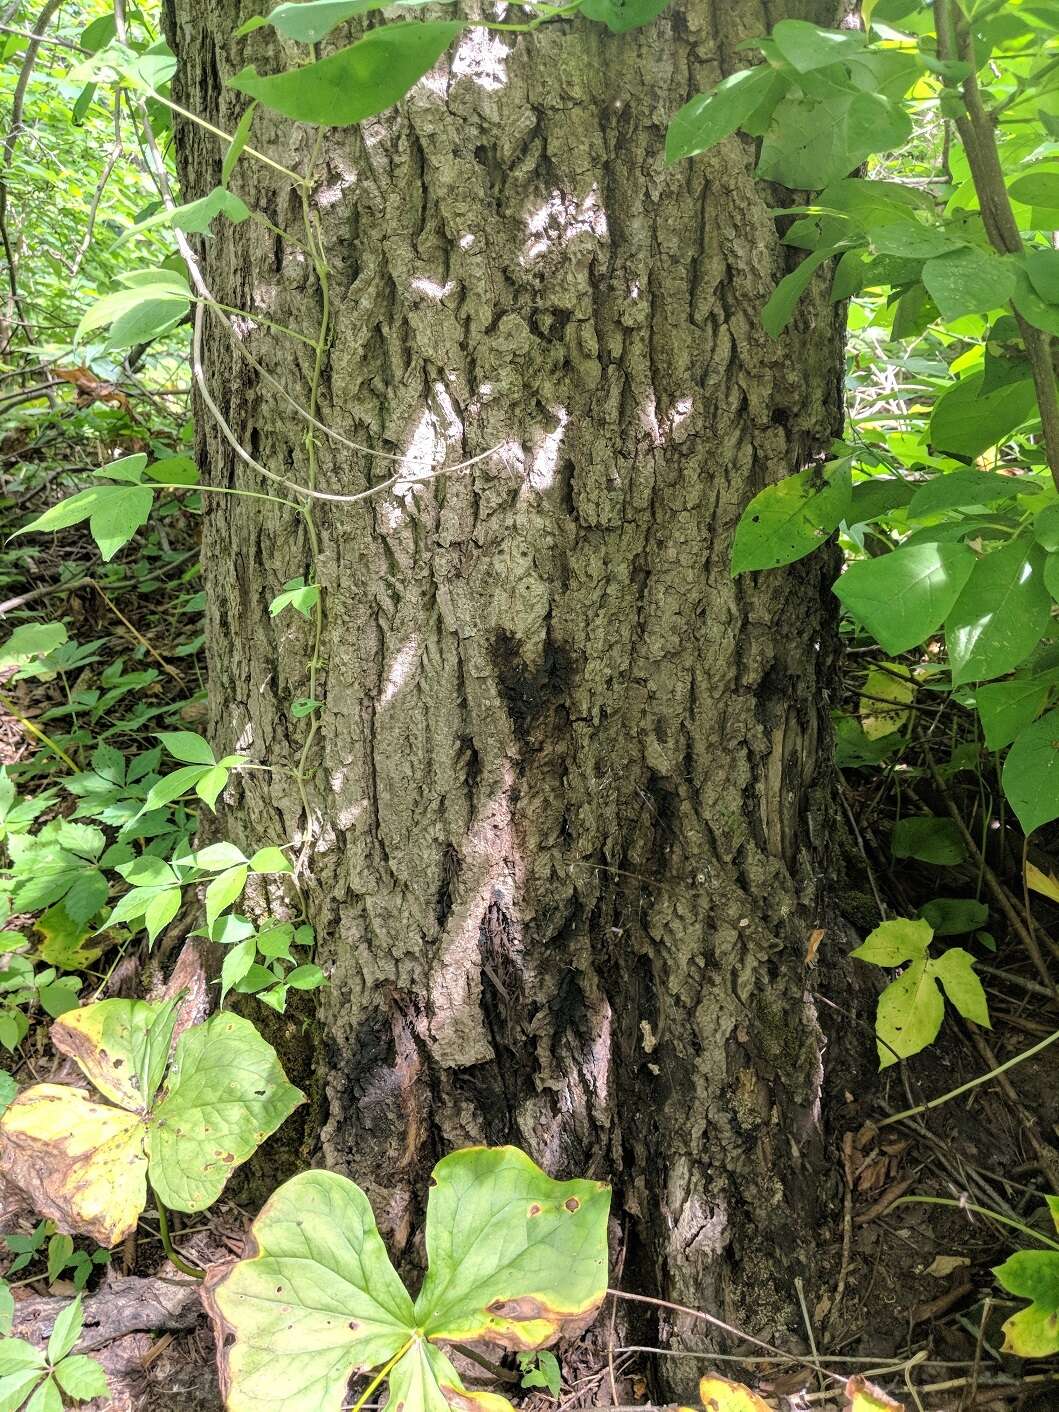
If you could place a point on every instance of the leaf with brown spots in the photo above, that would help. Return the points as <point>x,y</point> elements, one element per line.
<point>866,1397</point>
<point>515,1258</point>
<point>82,1164</point>
<point>85,1164</point>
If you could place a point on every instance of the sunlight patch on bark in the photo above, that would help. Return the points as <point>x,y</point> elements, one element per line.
<point>481,57</point>
<point>400,669</point>
<point>561,219</point>
<point>546,453</point>
<point>492,867</point>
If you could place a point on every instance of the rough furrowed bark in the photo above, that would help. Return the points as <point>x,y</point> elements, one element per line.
<point>561,854</point>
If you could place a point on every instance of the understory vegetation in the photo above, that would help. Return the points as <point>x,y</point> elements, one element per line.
<point>150,968</point>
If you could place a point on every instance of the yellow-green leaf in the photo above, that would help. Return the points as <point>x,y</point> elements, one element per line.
<point>81,1163</point>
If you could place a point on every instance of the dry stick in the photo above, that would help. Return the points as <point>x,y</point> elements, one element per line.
<point>136,634</point>
<point>781,1353</point>
<point>979,140</point>
<point>1045,1154</point>
<point>991,880</point>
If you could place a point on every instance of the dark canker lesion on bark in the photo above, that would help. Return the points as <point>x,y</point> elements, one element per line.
<point>559,860</point>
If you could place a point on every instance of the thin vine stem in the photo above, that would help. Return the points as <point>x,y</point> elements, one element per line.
<point>979,1211</point>
<point>167,1242</point>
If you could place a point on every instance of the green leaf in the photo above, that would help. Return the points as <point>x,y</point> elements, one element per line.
<point>999,617</point>
<point>27,641</point>
<point>60,1248</point>
<point>806,46</point>
<point>930,839</point>
<point>1007,707</point>
<point>904,596</point>
<point>114,513</point>
<point>955,970</point>
<point>66,1330</point>
<point>7,1299</point>
<point>1037,188</point>
<point>513,1256</point>
<point>309,21</point>
<point>1042,267</point>
<point>1046,524</point>
<point>241,136</point>
<point>296,594</point>
<point>622,15</point>
<point>237,962</point>
<point>218,856</point>
<point>962,489</point>
<point>709,117</point>
<point>307,977</point>
<point>195,217</point>
<point>911,1008</point>
<point>187,746</point>
<point>82,1378</point>
<point>225,1093</point>
<point>270,860</point>
<point>143,310</point>
<point>171,787</point>
<point>357,82</point>
<point>968,281</point>
<point>223,891</point>
<point>779,310</point>
<point>317,1300</point>
<point>1034,1274</point>
<point>952,916</point>
<point>211,783</point>
<point>790,519</point>
<point>47,1398</point>
<point>514,1259</point>
<point>812,142</point>
<point>1031,773</point>
<point>967,420</point>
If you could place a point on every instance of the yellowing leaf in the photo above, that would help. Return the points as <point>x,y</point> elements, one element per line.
<point>83,1164</point>
<point>63,944</point>
<point>719,1395</point>
<point>107,1041</point>
<point>495,1225</point>
<point>886,695</point>
<point>1042,882</point>
<point>513,1256</point>
<point>866,1397</point>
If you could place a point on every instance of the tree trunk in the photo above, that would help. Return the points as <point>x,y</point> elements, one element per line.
<point>561,847</point>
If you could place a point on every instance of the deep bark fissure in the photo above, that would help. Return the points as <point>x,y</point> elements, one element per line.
<point>559,863</point>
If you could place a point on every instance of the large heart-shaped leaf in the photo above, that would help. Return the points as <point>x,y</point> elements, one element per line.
<point>226,1092</point>
<point>86,1164</point>
<point>515,1258</point>
<point>498,1233</point>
